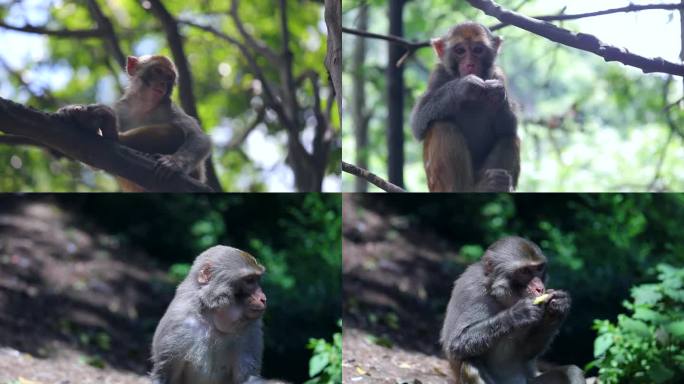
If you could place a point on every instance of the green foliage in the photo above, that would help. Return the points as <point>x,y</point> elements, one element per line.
<point>648,346</point>
<point>325,366</point>
<point>177,272</point>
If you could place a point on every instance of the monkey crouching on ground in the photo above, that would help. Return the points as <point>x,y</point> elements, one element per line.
<point>494,331</point>
<point>465,117</point>
<point>146,120</point>
<point>211,332</point>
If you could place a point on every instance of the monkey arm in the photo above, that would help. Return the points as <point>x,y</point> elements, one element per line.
<point>196,146</point>
<point>478,337</point>
<point>441,100</point>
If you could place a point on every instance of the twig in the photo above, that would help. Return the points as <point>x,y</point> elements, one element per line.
<point>629,8</point>
<point>583,41</point>
<point>371,178</point>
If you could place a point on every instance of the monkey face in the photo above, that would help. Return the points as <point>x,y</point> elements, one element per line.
<point>252,296</point>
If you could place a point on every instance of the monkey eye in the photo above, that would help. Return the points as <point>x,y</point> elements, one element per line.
<point>460,51</point>
<point>478,50</point>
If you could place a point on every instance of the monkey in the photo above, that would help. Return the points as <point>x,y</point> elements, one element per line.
<point>465,118</point>
<point>211,332</point>
<point>146,120</point>
<point>494,331</point>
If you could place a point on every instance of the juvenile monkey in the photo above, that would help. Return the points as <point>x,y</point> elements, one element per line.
<point>148,121</point>
<point>465,117</point>
<point>211,332</point>
<point>494,328</point>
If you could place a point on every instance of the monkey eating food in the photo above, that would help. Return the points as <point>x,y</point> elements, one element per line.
<point>146,120</point>
<point>494,329</point>
<point>465,117</point>
<point>211,332</point>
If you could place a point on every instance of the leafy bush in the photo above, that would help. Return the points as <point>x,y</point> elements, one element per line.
<point>648,346</point>
<point>325,366</point>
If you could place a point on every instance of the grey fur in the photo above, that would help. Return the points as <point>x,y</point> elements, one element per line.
<point>493,326</point>
<point>187,349</point>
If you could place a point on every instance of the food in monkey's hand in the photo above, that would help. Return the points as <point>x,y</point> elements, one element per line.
<point>541,299</point>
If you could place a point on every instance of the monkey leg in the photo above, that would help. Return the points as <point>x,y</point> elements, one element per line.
<point>156,138</point>
<point>566,374</point>
<point>501,168</point>
<point>447,159</point>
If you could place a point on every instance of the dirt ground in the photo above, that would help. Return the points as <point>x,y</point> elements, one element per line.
<point>76,305</point>
<point>394,279</point>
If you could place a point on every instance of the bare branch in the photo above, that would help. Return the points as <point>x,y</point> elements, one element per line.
<point>40,30</point>
<point>89,148</point>
<point>239,138</point>
<point>629,8</point>
<point>583,41</point>
<point>105,26</point>
<point>371,178</point>
<point>258,45</point>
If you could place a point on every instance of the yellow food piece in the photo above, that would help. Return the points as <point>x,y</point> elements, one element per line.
<point>541,299</point>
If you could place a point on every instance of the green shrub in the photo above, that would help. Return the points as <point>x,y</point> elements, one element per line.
<point>325,366</point>
<point>646,347</point>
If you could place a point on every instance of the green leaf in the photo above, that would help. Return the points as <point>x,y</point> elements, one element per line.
<point>602,343</point>
<point>317,364</point>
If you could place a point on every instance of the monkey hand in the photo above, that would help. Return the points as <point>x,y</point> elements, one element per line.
<point>496,92</point>
<point>559,303</point>
<point>495,180</point>
<point>525,312</point>
<point>166,166</point>
<point>471,88</point>
<point>97,118</point>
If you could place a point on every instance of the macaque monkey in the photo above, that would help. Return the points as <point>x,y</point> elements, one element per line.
<point>465,117</point>
<point>146,120</point>
<point>494,331</point>
<point>211,332</point>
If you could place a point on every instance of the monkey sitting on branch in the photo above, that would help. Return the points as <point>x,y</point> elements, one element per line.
<point>211,332</point>
<point>146,120</point>
<point>465,117</point>
<point>501,318</point>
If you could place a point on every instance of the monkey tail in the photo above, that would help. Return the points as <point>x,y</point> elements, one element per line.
<point>447,160</point>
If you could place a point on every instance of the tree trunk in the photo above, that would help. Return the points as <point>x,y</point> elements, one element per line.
<point>395,97</point>
<point>358,110</point>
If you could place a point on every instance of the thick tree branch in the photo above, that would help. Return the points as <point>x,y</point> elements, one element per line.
<point>371,178</point>
<point>583,41</point>
<point>91,149</point>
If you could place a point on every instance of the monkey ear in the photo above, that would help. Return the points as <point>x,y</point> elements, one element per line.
<point>131,65</point>
<point>204,274</point>
<point>438,45</point>
<point>487,266</point>
<point>497,43</point>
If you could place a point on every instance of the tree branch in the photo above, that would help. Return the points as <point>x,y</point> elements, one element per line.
<point>583,41</point>
<point>77,33</point>
<point>371,178</point>
<point>90,148</point>
<point>629,8</point>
